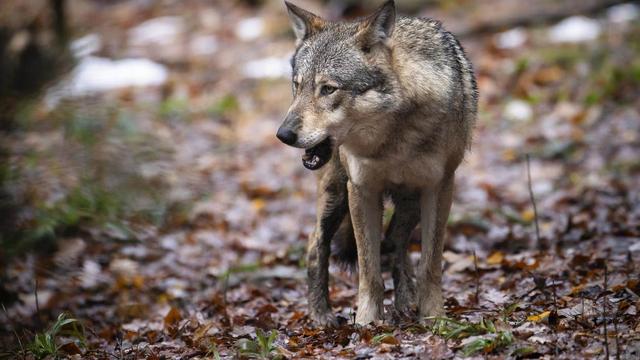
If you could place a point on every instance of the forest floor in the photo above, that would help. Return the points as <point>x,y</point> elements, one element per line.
<point>180,221</point>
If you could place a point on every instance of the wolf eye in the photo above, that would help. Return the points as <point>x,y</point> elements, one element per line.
<point>327,90</point>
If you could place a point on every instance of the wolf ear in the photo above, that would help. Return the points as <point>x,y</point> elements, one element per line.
<point>377,27</point>
<point>303,22</point>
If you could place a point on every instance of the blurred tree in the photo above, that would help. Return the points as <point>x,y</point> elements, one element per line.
<point>28,61</point>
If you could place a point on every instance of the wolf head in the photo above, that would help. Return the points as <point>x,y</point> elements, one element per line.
<point>342,79</point>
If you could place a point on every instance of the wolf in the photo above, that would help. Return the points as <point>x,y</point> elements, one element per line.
<point>382,106</point>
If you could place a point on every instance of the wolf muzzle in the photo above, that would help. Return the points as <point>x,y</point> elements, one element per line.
<point>286,135</point>
<point>286,132</point>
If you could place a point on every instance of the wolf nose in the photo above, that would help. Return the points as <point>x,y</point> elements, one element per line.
<point>286,136</point>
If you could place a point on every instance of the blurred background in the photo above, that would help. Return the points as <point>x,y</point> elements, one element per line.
<point>140,174</point>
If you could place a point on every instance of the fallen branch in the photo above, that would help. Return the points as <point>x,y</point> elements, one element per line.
<point>477,273</point>
<point>510,17</point>
<point>604,314</point>
<point>533,202</point>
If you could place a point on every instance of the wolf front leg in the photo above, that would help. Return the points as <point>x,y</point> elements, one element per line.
<point>434,211</point>
<point>365,206</point>
<point>331,210</point>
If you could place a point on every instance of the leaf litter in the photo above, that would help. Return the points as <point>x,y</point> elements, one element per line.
<point>224,278</point>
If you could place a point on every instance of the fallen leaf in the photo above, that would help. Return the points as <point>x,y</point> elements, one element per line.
<point>495,258</point>
<point>172,317</point>
<point>540,317</point>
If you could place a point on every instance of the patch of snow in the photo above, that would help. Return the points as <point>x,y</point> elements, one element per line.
<point>271,67</point>
<point>159,31</point>
<point>539,339</point>
<point>95,74</point>
<point>135,326</point>
<point>511,39</point>
<point>176,287</point>
<point>575,29</point>
<point>250,29</point>
<point>209,237</point>
<point>203,45</point>
<point>171,241</point>
<point>497,297</point>
<point>86,45</point>
<point>91,274</point>
<point>124,267</point>
<point>623,13</point>
<point>542,187</point>
<point>518,110</point>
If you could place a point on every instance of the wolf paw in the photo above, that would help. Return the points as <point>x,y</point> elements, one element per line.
<point>324,319</point>
<point>405,294</point>
<point>401,315</point>
<point>369,311</point>
<point>432,305</point>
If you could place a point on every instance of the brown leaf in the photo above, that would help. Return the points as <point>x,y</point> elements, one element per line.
<point>267,308</point>
<point>172,318</point>
<point>71,348</point>
<point>495,258</point>
<point>389,339</point>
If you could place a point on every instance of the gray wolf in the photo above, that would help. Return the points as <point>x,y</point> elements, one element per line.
<point>383,105</point>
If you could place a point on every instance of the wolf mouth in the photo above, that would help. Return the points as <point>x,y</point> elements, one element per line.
<point>315,157</point>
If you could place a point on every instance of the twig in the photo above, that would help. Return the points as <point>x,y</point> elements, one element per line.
<point>533,202</point>
<point>475,265</point>
<point>604,313</point>
<point>225,287</point>
<point>615,328</point>
<point>352,315</point>
<point>555,314</point>
<point>35,290</point>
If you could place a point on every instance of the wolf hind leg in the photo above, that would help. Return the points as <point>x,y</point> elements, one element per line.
<point>405,218</point>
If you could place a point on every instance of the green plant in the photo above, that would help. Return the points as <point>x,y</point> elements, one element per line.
<point>457,330</point>
<point>225,105</point>
<point>489,343</point>
<point>45,344</point>
<point>454,329</point>
<point>507,311</point>
<point>262,347</point>
<point>387,338</point>
<point>212,351</point>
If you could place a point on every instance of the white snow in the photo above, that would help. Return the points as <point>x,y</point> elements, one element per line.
<point>250,29</point>
<point>96,74</point>
<point>575,29</point>
<point>202,45</point>
<point>159,31</point>
<point>518,110</point>
<point>511,39</point>
<point>271,67</point>
<point>623,13</point>
<point>86,45</point>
